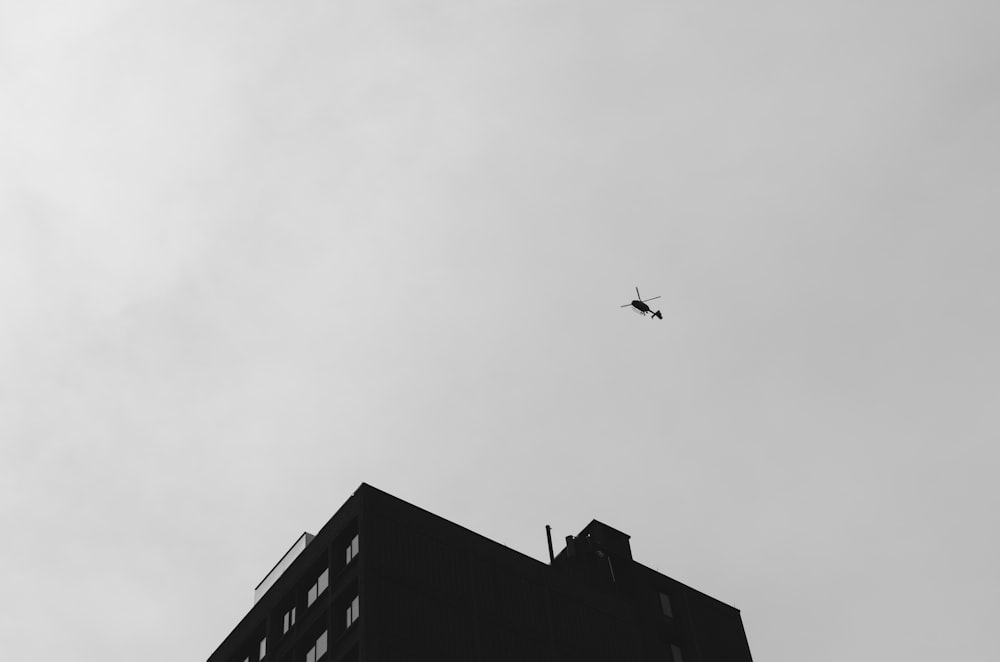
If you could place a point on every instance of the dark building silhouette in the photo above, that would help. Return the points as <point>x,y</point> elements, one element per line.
<point>384,581</point>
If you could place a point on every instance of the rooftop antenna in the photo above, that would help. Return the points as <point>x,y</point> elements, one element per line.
<point>548,535</point>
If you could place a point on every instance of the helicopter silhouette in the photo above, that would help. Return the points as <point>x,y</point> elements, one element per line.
<point>641,306</point>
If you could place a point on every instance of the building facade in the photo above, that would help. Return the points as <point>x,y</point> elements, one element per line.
<point>385,581</point>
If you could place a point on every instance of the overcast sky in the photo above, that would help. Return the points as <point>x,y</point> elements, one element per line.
<point>254,253</point>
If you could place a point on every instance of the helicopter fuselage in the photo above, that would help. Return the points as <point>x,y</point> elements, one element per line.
<point>640,306</point>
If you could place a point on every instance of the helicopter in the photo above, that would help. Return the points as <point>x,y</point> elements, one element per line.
<point>641,306</point>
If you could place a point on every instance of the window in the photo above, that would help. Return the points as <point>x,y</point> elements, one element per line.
<point>263,648</point>
<point>288,621</point>
<point>665,605</point>
<point>352,550</point>
<point>353,611</point>
<point>318,650</point>
<point>675,651</point>
<point>317,589</point>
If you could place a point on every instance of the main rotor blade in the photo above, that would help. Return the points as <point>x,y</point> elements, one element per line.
<point>645,300</point>
<point>626,305</point>
<point>637,295</point>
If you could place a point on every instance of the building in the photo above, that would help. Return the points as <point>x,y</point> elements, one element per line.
<point>384,581</point>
